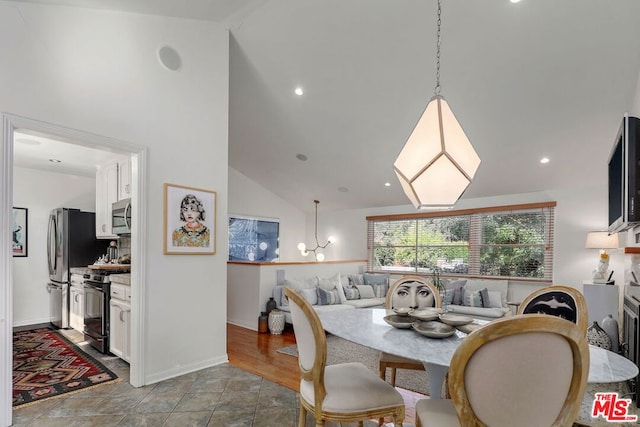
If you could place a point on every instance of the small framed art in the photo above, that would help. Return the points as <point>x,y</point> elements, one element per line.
<point>20,232</point>
<point>189,220</point>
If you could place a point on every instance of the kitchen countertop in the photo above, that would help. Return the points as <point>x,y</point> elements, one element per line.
<point>109,266</point>
<point>123,279</point>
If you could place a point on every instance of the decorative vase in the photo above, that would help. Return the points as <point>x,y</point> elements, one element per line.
<point>598,337</point>
<point>263,323</point>
<point>610,326</point>
<point>271,305</point>
<point>276,321</point>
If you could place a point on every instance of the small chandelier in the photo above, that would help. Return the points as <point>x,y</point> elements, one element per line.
<point>437,163</point>
<point>319,256</point>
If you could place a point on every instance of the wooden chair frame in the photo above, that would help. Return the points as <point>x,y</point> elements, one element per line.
<point>395,363</point>
<point>317,372</point>
<point>582,314</point>
<point>517,325</point>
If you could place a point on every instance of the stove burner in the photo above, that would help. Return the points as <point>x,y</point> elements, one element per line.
<point>101,276</point>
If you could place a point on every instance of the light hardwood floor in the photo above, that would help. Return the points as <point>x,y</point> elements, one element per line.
<point>256,353</point>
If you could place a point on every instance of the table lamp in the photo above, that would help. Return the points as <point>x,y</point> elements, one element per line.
<point>601,240</point>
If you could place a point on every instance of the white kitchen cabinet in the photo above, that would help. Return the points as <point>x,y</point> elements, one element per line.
<point>124,180</point>
<point>76,303</point>
<point>120,321</point>
<point>106,194</point>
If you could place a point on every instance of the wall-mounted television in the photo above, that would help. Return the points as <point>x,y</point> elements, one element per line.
<point>624,177</point>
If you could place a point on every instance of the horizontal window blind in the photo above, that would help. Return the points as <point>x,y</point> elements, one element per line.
<point>513,241</point>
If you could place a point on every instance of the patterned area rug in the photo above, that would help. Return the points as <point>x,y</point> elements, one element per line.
<point>47,365</point>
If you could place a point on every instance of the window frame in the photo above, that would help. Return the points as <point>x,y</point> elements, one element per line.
<point>475,238</point>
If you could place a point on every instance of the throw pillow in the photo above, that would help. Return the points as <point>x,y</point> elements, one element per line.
<point>379,283</point>
<point>495,299</point>
<point>297,285</point>
<point>457,286</point>
<point>329,283</point>
<point>351,293</point>
<point>356,280</point>
<point>350,289</point>
<point>310,295</point>
<point>472,298</point>
<point>484,294</point>
<point>366,291</point>
<point>326,297</point>
<point>448,296</point>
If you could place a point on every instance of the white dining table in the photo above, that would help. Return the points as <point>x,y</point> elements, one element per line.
<point>366,326</point>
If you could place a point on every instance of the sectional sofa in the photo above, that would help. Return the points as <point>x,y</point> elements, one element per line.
<point>480,298</point>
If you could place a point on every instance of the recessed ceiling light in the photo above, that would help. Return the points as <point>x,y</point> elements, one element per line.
<point>544,160</point>
<point>301,157</point>
<point>515,1</point>
<point>55,161</point>
<point>387,184</point>
<point>298,91</point>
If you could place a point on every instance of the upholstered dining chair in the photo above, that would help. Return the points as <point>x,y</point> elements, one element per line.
<point>345,392</point>
<point>557,300</point>
<point>407,292</point>
<point>525,370</point>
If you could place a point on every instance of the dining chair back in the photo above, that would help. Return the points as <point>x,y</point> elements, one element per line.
<point>526,370</point>
<point>407,292</point>
<point>345,392</point>
<point>556,300</point>
<point>413,292</point>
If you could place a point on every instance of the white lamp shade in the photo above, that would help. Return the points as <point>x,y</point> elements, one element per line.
<point>601,240</point>
<point>437,163</point>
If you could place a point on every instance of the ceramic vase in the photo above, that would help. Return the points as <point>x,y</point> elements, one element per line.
<point>263,322</point>
<point>610,326</point>
<point>276,322</point>
<point>598,337</point>
<point>271,305</point>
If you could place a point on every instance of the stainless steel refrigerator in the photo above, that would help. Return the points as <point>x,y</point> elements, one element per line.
<point>71,242</point>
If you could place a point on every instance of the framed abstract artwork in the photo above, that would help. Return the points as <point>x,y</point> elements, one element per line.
<point>253,239</point>
<point>189,220</point>
<point>20,230</point>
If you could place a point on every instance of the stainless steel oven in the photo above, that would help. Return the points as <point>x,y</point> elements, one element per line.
<point>97,295</point>
<point>96,311</point>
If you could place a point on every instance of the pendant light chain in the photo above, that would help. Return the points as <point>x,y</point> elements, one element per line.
<point>436,90</point>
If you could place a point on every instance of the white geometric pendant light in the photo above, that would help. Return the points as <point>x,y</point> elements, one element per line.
<point>437,162</point>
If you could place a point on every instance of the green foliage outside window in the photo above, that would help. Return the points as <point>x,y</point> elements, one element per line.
<point>497,244</point>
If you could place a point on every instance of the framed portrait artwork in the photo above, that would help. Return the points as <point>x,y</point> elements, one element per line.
<point>20,230</point>
<point>189,220</point>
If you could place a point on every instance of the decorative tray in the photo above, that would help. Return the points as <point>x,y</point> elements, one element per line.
<point>433,329</point>
<point>455,320</point>
<point>400,322</point>
<point>402,311</point>
<point>424,314</point>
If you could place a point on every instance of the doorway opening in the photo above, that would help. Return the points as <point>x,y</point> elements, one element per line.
<point>81,142</point>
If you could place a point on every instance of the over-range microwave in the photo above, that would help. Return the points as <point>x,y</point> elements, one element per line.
<point>121,217</point>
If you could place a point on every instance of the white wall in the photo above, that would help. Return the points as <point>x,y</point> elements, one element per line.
<point>246,197</point>
<point>97,71</point>
<point>40,192</point>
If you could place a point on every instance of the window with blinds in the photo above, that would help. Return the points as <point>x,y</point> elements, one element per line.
<point>504,241</point>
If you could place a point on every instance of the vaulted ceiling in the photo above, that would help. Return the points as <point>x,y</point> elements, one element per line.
<point>539,78</point>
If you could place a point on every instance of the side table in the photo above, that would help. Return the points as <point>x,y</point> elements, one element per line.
<point>276,322</point>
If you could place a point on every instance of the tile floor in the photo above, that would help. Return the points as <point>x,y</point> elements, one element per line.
<point>221,396</point>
